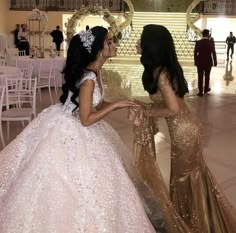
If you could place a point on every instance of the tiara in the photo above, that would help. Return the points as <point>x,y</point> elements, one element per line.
<point>87,38</point>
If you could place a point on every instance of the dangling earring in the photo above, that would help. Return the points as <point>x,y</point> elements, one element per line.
<point>99,55</point>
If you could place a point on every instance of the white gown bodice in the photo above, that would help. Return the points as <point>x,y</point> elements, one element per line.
<point>98,94</point>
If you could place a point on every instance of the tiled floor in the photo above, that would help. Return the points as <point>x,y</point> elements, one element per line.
<point>218,113</point>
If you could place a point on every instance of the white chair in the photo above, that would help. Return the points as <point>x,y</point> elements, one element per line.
<point>2,55</point>
<point>25,67</point>
<point>28,72</point>
<point>46,75</point>
<point>12,51</point>
<point>2,62</point>
<point>20,100</point>
<point>3,83</point>
<point>2,94</point>
<point>22,53</point>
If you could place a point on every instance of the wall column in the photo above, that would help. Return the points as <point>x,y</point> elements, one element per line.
<point>4,10</point>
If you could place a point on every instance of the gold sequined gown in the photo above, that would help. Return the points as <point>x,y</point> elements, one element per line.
<point>193,190</point>
<point>195,203</point>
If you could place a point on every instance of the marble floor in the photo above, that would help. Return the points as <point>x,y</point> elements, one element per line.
<point>217,111</point>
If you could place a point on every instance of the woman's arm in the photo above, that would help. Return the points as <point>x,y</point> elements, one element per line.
<point>103,105</point>
<point>87,116</point>
<point>171,107</point>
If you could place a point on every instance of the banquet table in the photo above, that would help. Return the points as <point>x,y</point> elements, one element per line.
<point>6,71</point>
<point>59,63</point>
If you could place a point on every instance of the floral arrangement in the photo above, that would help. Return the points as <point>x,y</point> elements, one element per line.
<point>98,10</point>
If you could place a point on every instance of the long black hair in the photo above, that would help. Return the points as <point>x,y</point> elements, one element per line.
<point>78,58</point>
<point>158,53</point>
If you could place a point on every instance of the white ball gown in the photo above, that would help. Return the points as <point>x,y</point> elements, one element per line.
<point>60,177</point>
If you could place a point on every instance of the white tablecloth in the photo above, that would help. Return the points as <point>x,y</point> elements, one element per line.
<point>59,63</point>
<point>6,71</point>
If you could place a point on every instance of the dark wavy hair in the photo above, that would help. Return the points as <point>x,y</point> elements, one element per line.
<point>78,58</point>
<point>158,53</point>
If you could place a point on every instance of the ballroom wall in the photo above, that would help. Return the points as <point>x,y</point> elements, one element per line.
<point>4,10</point>
<point>219,25</point>
<point>162,5</point>
<point>54,18</point>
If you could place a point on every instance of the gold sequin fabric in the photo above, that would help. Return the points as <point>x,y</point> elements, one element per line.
<point>196,203</point>
<point>60,177</point>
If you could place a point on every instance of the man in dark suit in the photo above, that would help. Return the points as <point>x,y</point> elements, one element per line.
<point>15,33</point>
<point>204,59</point>
<point>57,38</point>
<point>230,41</point>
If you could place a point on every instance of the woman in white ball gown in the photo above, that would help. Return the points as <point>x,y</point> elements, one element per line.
<point>65,173</point>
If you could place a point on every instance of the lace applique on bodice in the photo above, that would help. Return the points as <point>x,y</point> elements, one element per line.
<point>98,94</point>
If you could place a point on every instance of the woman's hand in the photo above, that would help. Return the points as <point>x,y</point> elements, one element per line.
<point>125,103</point>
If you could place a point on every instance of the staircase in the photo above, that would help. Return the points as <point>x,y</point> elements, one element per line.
<point>125,71</point>
<point>173,21</point>
<point>176,24</point>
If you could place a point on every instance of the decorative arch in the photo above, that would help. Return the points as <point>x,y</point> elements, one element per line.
<point>42,20</point>
<point>190,21</point>
<point>98,10</point>
<point>37,15</point>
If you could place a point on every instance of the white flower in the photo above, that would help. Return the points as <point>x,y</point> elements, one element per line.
<point>87,38</point>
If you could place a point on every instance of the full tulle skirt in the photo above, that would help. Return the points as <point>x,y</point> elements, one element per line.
<point>58,176</point>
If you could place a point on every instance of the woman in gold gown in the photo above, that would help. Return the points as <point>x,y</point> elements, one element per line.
<point>195,203</point>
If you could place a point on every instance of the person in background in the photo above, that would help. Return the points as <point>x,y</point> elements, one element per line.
<point>23,36</point>
<point>204,59</point>
<point>58,38</point>
<point>230,40</point>
<point>15,33</point>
